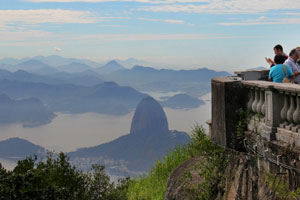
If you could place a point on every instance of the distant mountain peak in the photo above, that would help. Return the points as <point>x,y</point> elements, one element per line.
<point>109,84</point>
<point>32,62</point>
<point>149,116</point>
<point>112,62</point>
<point>109,67</point>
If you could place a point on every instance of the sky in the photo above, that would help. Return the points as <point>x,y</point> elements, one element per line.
<point>218,34</point>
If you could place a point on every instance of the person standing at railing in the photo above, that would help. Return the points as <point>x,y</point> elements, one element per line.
<point>279,71</point>
<point>292,62</point>
<point>278,50</point>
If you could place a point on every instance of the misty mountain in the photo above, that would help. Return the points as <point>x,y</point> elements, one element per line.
<point>193,82</point>
<point>105,98</point>
<point>29,112</point>
<point>131,62</point>
<point>33,66</point>
<point>56,61</point>
<point>12,61</point>
<point>109,67</point>
<point>17,149</point>
<point>53,60</point>
<point>74,67</point>
<point>58,78</point>
<point>181,101</point>
<point>149,140</point>
<point>37,67</point>
<point>258,68</point>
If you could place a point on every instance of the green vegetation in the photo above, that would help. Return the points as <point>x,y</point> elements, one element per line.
<point>56,179</point>
<point>241,127</point>
<point>154,185</point>
<point>278,183</point>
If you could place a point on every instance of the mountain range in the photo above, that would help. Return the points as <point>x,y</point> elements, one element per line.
<point>193,82</point>
<point>83,79</point>
<point>105,98</point>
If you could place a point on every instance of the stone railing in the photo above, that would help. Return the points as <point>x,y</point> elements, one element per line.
<point>278,108</point>
<point>271,136</point>
<point>258,74</point>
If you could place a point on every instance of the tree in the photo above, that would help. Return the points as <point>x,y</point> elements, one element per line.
<point>55,178</point>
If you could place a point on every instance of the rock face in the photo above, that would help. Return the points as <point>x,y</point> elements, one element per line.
<point>242,179</point>
<point>149,115</point>
<point>178,185</point>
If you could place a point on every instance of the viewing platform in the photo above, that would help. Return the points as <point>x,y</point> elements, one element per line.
<point>275,108</point>
<point>259,117</point>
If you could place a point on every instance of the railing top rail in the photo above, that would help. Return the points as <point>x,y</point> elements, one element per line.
<point>260,84</point>
<point>288,87</point>
<point>253,70</point>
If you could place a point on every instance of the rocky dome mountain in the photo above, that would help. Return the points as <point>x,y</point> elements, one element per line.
<point>136,152</point>
<point>149,115</point>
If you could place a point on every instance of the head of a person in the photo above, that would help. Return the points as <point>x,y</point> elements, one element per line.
<point>294,54</point>
<point>279,59</point>
<point>278,49</point>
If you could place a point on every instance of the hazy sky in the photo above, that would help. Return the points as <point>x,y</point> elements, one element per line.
<point>219,34</point>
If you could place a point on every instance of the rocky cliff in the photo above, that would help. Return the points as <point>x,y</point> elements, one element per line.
<point>253,174</point>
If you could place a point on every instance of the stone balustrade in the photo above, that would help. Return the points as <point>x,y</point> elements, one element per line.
<point>278,108</point>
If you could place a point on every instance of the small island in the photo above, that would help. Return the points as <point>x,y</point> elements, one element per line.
<point>182,101</point>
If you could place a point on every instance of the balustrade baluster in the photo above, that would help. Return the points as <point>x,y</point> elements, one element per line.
<point>251,98</point>
<point>296,114</point>
<point>256,99</point>
<point>291,111</point>
<point>263,107</point>
<point>283,113</point>
<point>260,102</point>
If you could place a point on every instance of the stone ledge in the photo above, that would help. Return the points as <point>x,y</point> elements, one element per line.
<point>288,137</point>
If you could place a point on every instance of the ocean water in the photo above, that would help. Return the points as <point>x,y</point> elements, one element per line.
<point>68,132</point>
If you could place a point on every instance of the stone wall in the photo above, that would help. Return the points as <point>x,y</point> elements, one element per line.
<point>228,96</point>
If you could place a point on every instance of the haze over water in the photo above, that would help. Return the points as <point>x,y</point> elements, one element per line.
<point>68,132</point>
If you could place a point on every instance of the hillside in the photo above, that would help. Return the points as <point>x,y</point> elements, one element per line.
<point>29,112</point>
<point>17,149</point>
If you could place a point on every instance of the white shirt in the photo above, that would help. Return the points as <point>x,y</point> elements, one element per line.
<point>295,68</point>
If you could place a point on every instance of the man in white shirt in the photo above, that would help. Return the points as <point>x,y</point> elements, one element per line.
<point>292,62</point>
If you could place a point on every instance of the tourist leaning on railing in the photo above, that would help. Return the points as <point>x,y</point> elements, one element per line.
<point>280,71</point>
